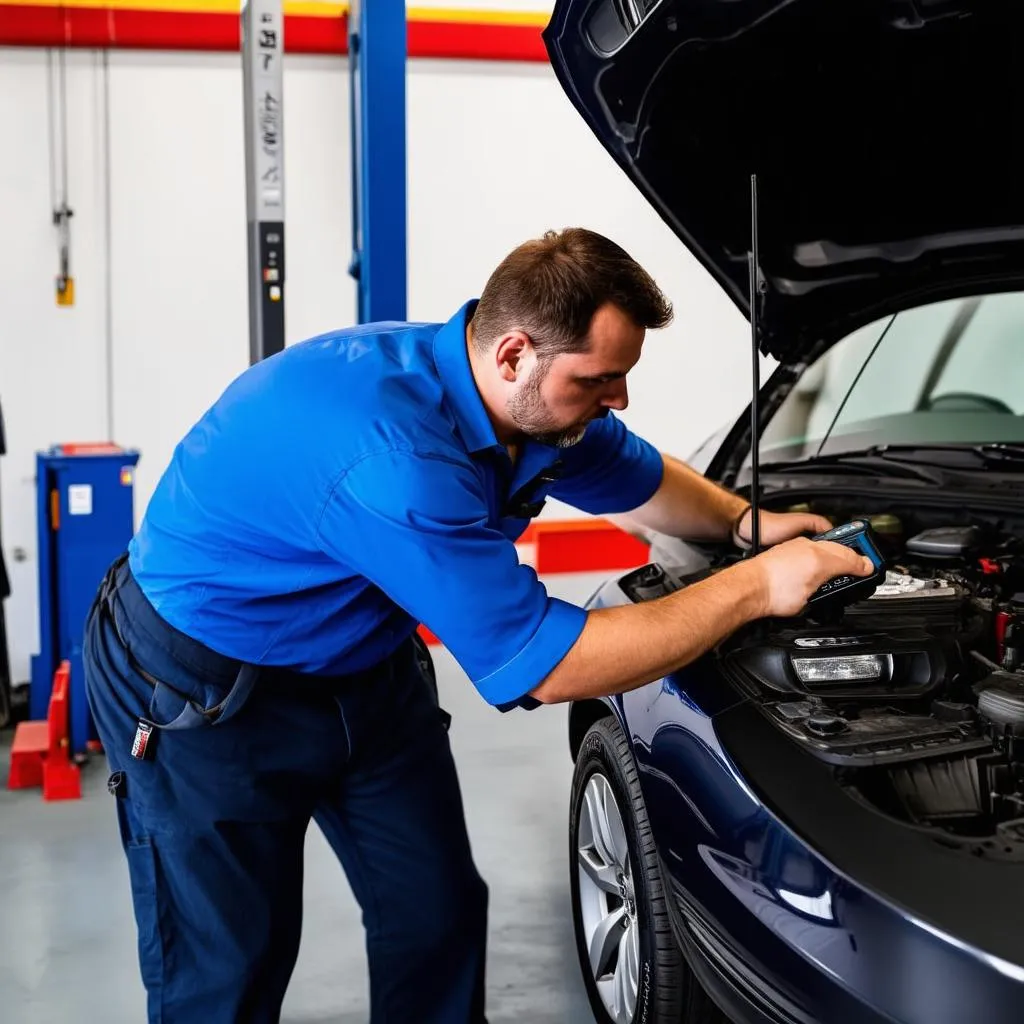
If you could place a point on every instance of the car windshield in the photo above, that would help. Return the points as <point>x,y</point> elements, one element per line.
<point>948,373</point>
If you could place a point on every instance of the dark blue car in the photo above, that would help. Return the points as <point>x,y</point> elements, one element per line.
<point>823,819</point>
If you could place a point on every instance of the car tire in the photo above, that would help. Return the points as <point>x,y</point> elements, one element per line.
<point>626,933</point>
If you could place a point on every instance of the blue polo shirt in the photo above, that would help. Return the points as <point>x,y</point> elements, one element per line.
<point>351,487</point>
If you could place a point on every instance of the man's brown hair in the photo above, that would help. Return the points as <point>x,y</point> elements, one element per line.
<point>551,287</point>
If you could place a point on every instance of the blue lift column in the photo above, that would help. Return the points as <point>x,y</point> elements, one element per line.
<point>377,49</point>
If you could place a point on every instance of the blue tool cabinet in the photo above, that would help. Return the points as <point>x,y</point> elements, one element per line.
<point>85,519</point>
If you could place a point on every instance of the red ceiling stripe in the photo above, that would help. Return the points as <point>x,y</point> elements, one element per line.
<point>481,41</point>
<point>303,34</point>
<point>97,27</point>
<point>175,30</point>
<point>31,26</point>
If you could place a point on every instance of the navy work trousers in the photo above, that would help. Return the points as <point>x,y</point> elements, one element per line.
<point>213,822</point>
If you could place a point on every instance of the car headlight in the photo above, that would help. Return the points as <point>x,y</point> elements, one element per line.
<point>843,668</point>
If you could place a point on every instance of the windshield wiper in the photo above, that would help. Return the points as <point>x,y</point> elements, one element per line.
<point>910,461</point>
<point>954,456</point>
<point>1000,453</point>
<point>869,462</point>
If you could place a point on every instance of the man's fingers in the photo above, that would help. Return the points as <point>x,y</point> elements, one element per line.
<point>859,564</point>
<point>863,564</point>
<point>804,522</point>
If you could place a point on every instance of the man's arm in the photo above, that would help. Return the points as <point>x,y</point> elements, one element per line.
<point>690,506</point>
<point>622,648</point>
<point>625,647</point>
<point>614,473</point>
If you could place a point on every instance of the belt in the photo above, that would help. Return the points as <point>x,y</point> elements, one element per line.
<point>166,697</point>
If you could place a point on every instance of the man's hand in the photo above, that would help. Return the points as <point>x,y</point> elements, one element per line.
<point>777,527</point>
<point>793,571</point>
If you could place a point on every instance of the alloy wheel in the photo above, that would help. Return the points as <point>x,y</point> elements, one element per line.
<point>608,901</point>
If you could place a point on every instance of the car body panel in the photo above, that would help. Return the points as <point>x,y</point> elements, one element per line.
<point>802,939</point>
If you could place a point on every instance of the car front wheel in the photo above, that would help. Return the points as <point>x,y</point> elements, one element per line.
<point>632,967</point>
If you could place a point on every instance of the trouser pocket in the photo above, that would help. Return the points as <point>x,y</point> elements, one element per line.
<point>142,869</point>
<point>180,696</point>
<point>171,708</point>
<point>143,876</point>
<point>178,674</point>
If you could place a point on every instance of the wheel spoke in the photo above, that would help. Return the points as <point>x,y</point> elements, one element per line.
<point>592,816</point>
<point>626,983</point>
<point>604,941</point>
<point>606,990</point>
<point>610,824</point>
<point>594,799</point>
<point>619,1004</point>
<point>629,965</point>
<point>604,876</point>
<point>615,832</point>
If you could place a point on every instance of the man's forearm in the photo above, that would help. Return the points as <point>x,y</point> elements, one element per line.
<point>623,648</point>
<point>689,505</point>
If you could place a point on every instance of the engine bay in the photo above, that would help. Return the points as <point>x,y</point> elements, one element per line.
<point>915,695</point>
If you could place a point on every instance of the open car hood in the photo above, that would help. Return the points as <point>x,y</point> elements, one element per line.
<point>883,134</point>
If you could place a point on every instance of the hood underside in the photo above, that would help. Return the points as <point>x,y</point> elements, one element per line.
<point>883,133</point>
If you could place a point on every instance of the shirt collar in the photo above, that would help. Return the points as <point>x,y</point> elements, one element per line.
<point>452,362</point>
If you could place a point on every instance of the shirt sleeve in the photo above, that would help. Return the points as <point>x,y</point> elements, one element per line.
<point>609,470</point>
<point>416,526</point>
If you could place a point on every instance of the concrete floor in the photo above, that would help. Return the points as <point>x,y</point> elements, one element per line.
<point>67,934</point>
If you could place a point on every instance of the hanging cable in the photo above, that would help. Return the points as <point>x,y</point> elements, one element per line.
<point>52,129</point>
<point>62,213</point>
<point>107,253</point>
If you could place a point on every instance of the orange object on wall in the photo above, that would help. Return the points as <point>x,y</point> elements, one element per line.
<point>586,545</point>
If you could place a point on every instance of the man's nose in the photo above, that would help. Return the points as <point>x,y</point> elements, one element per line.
<point>617,397</point>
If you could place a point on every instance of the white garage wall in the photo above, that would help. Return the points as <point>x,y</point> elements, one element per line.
<point>52,361</point>
<point>496,154</point>
<point>178,246</point>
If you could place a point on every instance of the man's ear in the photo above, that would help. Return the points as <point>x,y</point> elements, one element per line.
<point>509,354</point>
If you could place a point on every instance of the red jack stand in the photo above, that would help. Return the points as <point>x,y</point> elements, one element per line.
<point>39,754</point>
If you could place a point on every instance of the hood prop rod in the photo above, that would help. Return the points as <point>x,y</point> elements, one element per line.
<point>757,289</point>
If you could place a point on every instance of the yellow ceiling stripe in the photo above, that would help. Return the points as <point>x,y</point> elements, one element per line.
<point>314,9</point>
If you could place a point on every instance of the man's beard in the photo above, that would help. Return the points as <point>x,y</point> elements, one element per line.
<point>530,415</point>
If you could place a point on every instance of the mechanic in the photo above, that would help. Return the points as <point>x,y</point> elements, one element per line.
<point>251,662</point>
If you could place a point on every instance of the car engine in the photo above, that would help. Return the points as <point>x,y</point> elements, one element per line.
<point>915,695</point>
